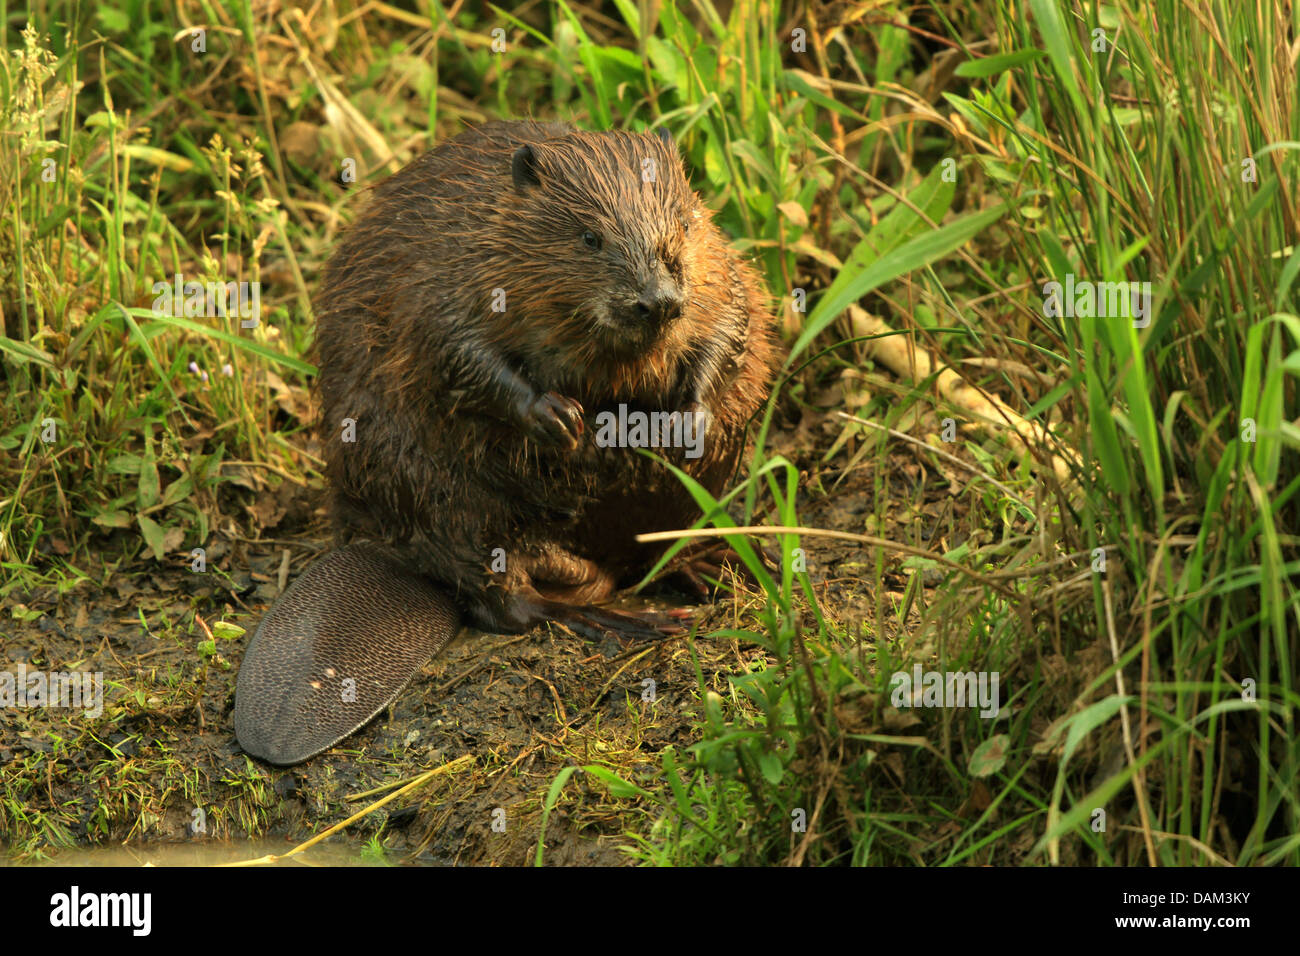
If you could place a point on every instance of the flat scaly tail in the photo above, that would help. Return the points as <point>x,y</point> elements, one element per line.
<point>336,649</point>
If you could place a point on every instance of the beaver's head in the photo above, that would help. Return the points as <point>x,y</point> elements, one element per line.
<point>603,240</point>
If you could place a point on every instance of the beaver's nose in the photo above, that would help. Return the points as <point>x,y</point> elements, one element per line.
<point>660,302</point>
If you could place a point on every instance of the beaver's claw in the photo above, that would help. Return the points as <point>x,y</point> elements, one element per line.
<point>554,421</point>
<point>594,623</point>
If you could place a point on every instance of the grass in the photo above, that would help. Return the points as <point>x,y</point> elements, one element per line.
<point>1114,540</point>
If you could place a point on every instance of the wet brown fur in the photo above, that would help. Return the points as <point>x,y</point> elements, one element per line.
<point>409,346</point>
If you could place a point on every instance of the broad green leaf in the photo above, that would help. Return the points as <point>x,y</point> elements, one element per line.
<point>112,519</point>
<point>153,536</point>
<point>989,65</point>
<point>226,631</point>
<point>1087,720</point>
<point>989,756</point>
<point>147,490</point>
<point>178,490</point>
<point>618,787</point>
<point>916,254</point>
<point>773,769</point>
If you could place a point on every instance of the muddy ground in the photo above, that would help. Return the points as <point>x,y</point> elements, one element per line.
<point>160,767</point>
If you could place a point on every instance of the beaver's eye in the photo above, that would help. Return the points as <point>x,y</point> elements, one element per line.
<point>591,240</point>
<point>685,220</point>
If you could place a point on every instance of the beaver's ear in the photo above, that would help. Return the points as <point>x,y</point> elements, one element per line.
<point>523,169</point>
<point>664,134</point>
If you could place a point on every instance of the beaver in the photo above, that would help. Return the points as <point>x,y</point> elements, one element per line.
<point>501,303</point>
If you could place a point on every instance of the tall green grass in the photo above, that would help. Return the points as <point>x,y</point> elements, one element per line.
<point>1148,646</point>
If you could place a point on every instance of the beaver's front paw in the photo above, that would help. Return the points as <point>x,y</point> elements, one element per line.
<point>696,421</point>
<point>553,420</point>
